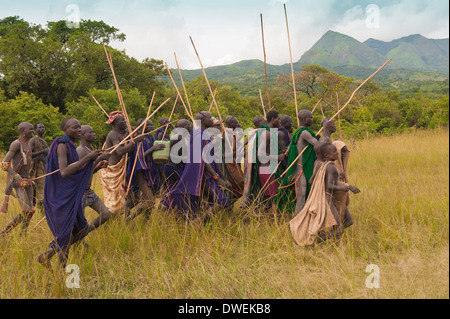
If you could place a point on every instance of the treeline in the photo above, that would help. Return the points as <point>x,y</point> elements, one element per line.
<point>48,73</point>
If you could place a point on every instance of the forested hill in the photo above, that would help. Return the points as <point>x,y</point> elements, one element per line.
<point>414,58</point>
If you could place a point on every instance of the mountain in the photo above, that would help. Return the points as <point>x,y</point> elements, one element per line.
<point>336,50</point>
<point>415,52</point>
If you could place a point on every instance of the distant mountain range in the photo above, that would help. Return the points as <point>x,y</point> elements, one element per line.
<point>411,56</point>
<point>414,52</point>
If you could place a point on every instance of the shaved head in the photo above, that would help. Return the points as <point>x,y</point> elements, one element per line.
<point>163,120</point>
<point>258,120</point>
<point>65,121</point>
<point>304,114</point>
<point>326,148</point>
<point>24,125</point>
<point>85,128</point>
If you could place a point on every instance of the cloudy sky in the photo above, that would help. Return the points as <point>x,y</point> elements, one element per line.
<point>228,31</point>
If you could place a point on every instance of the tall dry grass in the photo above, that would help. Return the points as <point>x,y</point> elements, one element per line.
<point>401,225</point>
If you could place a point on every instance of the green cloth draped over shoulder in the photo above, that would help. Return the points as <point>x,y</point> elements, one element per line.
<point>256,186</point>
<point>287,193</point>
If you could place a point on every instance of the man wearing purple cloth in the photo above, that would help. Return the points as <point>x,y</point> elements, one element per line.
<point>145,178</point>
<point>64,190</point>
<point>198,194</point>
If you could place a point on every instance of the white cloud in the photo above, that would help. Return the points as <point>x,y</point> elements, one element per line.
<point>228,31</point>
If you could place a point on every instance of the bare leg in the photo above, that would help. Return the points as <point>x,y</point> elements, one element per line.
<point>12,224</point>
<point>348,219</point>
<point>63,254</point>
<point>147,199</point>
<point>25,197</point>
<point>104,215</point>
<point>301,189</point>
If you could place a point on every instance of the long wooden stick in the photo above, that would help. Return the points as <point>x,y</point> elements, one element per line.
<point>315,107</point>
<point>321,109</point>
<point>179,95</point>
<point>184,87</point>
<point>100,106</point>
<point>206,79</point>
<point>119,93</point>
<point>265,61</point>
<point>292,66</point>
<point>140,144</point>
<point>262,103</point>
<point>171,114</point>
<point>339,117</point>
<point>39,223</point>
<point>210,90</point>
<point>212,102</point>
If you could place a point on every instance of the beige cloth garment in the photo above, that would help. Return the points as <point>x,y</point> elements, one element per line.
<point>114,185</point>
<point>316,216</point>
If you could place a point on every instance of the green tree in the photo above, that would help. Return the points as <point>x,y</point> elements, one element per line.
<point>27,108</point>
<point>58,64</point>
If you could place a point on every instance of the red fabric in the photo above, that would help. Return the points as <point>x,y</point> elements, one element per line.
<point>270,189</point>
<point>113,116</point>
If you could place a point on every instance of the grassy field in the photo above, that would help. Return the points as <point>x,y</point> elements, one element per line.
<point>401,225</point>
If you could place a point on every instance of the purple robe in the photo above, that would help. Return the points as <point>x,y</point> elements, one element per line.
<point>63,196</point>
<point>195,181</point>
<point>151,171</point>
<point>162,130</point>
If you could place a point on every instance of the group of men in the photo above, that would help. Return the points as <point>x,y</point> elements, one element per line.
<point>299,173</point>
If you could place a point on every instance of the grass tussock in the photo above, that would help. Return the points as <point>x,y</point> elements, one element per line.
<point>401,225</point>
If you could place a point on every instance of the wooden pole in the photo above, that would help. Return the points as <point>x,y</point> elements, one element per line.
<point>210,89</point>
<point>179,95</point>
<point>212,102</point>
<point>292,66</point>
<point>206,79</point>
<point>140,144</point>
<point>100,106</point>
<point>119,94</point>
<point>39,223</point>
<point>265,62</point>
<point>262,103</point>
<point>171,114</point>
<point>315,107</point>
<point>184,87</point>
<point>339,117</point>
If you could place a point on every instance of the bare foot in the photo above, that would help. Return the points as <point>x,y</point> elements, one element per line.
<point>44,259</point>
